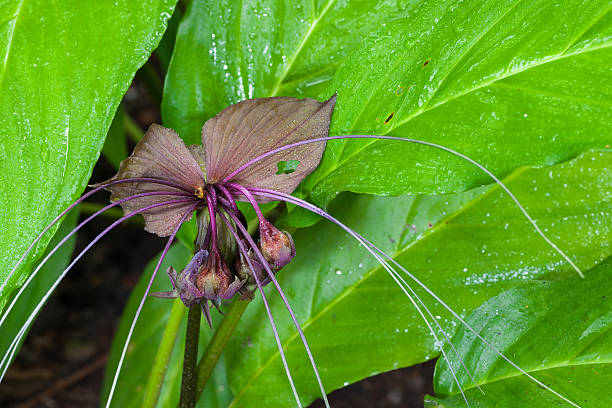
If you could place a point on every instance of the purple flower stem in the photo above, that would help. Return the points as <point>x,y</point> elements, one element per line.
<point>375,251</point>
<point>212,210</point>
<point>266,266</point>
<point>245,254</point>
<point>144,297</point>
<point>71,233</point>
<point>74,204</point>
<point>421,142</point>
<point>245,192</point>
<point>13,347</point>
<point>230,199</point>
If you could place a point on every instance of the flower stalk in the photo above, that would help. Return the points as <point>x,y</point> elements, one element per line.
<point>218,342</point>
<point>188,397</point>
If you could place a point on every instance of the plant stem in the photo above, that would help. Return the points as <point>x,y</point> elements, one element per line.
<point>218,343</point>
<point>133,129</point>
<point>162,356</point>
<point>188,384</point>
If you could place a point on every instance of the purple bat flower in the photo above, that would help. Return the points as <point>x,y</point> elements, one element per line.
<point>167,181</point>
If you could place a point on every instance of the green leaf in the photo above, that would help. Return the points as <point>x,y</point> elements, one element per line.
<point>508,83</point>
<point>63,71</point>
<point>559,332</point>
<point>145,344</point>
<point>466,248</point>
<point>231,50</point>
<point>40,284</point>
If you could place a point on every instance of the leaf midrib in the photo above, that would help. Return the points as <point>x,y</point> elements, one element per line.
<point>443,223</point>
<point>456,96</point>
<point>311,29</point>
<point>10,41</point>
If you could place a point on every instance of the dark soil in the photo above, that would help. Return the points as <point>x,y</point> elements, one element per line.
<point>62,361</point>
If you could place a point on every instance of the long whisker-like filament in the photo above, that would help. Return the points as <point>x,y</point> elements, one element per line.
<point>144,297</point>
<point>8,356</point>
<point>279,344</point>
<point>394,275</point>
<point>373,250</point>
<point>422,142</point>
<point>74,231</point>
<point>78,201</point>
<point>266,266</point>
<point>448,340</point>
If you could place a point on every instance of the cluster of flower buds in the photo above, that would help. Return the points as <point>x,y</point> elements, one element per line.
<point>207,277</point>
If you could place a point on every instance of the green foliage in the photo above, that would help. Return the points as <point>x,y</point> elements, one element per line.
<point>513,84</point>
<point>356,319</point>
<point>507,83</point>
<point>559,332</point>
<point>63,71</point>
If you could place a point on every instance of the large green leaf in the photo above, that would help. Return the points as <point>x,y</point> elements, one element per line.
<point>506,82</point>
<point>63,70</point>
<point>146,341</point>
<point>559,332</point>
<point>231,50</point>
<point>358,322</point>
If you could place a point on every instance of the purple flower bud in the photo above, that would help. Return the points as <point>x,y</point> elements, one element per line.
<point>276,246</point>
<point>214,279</point>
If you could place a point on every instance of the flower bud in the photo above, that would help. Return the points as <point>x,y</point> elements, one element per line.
<point>214,279</point>
<point>276,246</point>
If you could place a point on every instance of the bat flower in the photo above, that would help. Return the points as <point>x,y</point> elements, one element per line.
<point>256,151</point>
<point>211,177</point>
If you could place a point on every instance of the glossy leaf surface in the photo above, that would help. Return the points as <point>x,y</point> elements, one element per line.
<point>560,332</point>
<point>508,83</point>
<point>465,247</point>
<point>231,50</point>
<point>63,71</point>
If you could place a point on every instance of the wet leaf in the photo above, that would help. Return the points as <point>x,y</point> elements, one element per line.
<point>508,83</point>
<point>63,71</point>
<point>231,50</point>
<point>559,332</point>
<point>466,248</point>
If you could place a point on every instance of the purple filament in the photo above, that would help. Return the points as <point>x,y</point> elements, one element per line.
<point>372,247</point>
<point>285,301</point>
<point>212,210</point>
<point>78,201</point>
<point>245,192</point>
<point>422,142</point>
<point>71,233</point>
<point>279,344</point>
<point>230,199</point>
<point>24,327</point>
<point>127,340</point>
